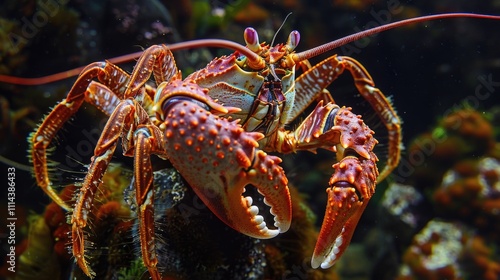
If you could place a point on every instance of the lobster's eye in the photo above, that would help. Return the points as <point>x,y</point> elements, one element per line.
<point>241,61</point>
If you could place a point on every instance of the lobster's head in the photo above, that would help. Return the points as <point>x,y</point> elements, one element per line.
<point>276,60</point>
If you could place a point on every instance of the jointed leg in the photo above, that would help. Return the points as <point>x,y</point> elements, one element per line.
<point>84,89</point>
<point>117,125</point>
<point>148,140</point>
<point>353,182</point>
<point>157,60</point>
<point>382,107</point>
<point>129,122</point>
<point>311,85</point>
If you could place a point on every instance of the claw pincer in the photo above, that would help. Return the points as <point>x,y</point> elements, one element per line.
<point>219,159</point>
<point>351,187</point>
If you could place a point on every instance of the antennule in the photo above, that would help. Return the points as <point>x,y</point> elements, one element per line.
<point>281,26</point>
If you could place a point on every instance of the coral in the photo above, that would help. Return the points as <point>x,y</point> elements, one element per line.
<point>456,187</point>
<point>39,260</point>
<point>481,260</point>
<point>399,201</point>
<point>403,209</point>
<point>447,250</point>
<point>434,253</point>
<point>470,192</point>
<point>459,135</point>
<point>471,126</point>
<point>47,255</point>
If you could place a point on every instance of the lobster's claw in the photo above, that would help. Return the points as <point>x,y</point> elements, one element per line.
<point>351,187</point>
<point>219,159</point>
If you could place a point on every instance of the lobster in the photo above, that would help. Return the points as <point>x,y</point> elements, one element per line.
<point>217,127</point>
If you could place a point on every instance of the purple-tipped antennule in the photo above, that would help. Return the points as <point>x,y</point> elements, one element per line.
<point>252,39</point>
<point>293,40</point>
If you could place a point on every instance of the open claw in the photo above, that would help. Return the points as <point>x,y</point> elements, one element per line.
<point>351,187</point>
<point>219,159</point>
<point>270,180</point>
<point>342,215</point>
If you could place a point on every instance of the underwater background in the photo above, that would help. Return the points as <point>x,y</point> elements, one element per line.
<point>436,217</point>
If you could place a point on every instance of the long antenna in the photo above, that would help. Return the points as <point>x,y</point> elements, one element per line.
<point>354,37</point>
<point>252,58</point>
